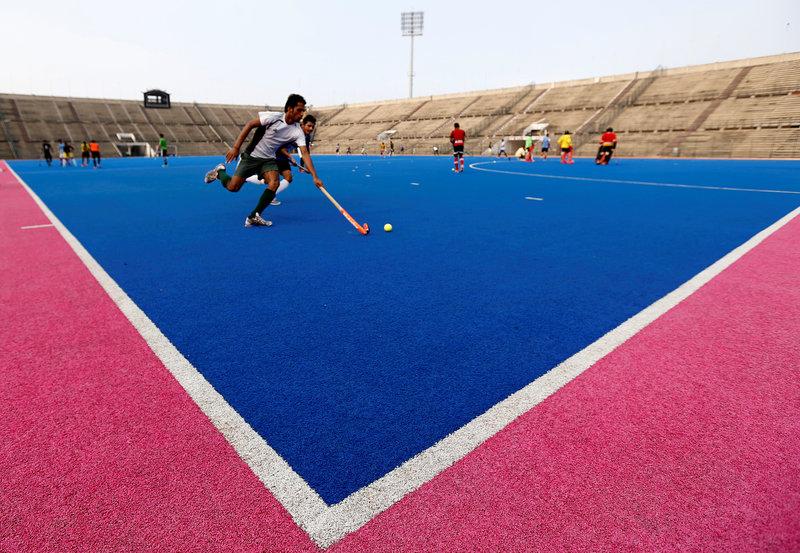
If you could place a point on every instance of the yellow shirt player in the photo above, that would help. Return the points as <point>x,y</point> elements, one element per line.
<point>565,143</point>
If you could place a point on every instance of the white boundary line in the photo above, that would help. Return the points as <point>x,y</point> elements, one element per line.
<point>617,181</point>
<point>328,524</point>
<point>29,227</point>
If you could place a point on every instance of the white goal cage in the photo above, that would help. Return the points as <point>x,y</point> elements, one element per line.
<point>514,142</point>
<point>127,146</point>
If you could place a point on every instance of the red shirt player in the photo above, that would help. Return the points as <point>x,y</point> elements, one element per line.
<point>608,142</point>
<point>457,138</point>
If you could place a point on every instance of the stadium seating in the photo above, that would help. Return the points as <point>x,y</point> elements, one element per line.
<point>740,108</point>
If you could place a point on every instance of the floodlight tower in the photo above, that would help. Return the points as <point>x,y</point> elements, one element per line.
<point>411,25</point>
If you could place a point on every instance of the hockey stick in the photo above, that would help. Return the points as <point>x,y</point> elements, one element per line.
<point>363,229</point>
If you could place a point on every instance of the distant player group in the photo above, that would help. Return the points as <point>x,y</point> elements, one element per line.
<point>89,150</point>
<point>66,153</point>
<point>268,157</point>
<point>608,143</point>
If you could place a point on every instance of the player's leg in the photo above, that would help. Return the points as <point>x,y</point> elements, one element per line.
<point>286,180</point>
<point>247,170</point>
<point>272,181</point>
<point>461,157</point>
<point>232,183</point>
<point>455,161</point>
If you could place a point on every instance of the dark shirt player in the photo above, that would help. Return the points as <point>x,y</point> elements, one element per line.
<point>47,153</point>
<point>457,139</point>
<point>608,143</point>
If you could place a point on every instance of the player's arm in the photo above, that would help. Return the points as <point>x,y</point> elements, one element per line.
<point>233,153</point>
<point>309,165</point>
<point>285,153</point>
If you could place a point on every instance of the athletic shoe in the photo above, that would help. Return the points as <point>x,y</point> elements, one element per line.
<point>257,221</point>
<point>211,176</point>
<point>276,201</point>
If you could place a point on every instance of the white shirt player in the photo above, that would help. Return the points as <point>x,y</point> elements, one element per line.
<point>276,134</point>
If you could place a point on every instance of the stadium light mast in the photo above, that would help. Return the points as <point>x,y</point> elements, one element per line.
<point>411,25</point>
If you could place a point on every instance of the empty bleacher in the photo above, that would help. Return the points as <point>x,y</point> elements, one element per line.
<point>739,108</point>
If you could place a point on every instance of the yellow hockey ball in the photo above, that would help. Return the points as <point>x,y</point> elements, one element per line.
<point>387,227</point>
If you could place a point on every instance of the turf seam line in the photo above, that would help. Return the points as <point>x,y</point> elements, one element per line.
<point>31,227</point>
<point>636,182</point>
<point>325,524</point>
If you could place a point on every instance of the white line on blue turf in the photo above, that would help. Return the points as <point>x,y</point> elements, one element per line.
<point>29,227</point>
<point>636,182</point>
<point>532,198</point>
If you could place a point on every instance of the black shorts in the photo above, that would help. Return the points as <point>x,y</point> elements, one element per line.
<point>96,155</point>
<point>283,164</point>
<point>163,153</point>
<point>458,150</point>
<point>84,155</point>
<point>545,148</point>
<point>565,150</point>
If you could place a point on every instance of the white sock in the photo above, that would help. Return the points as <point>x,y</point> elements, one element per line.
<point>282,186</point>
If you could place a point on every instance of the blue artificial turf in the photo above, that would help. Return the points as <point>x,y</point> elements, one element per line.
<point>350,354</point>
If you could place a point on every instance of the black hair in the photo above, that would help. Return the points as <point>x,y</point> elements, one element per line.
<point>456,125</point>
<point>309,119</point>
<point>609,129</point>
<point>566,132</point>
<point>292,101</point>
<point>161,134</point>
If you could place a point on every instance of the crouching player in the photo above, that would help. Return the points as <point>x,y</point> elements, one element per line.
<point>273,130</point>
<point>608,143</point>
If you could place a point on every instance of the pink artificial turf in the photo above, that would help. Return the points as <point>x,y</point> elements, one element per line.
<point>686,437</point>
<point>102,449</point>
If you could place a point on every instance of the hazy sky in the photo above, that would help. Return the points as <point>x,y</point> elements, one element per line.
<point>336,52</point>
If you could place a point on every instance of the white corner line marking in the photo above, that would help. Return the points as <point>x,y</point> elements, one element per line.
<point>535,199</point>
<point>325,524</point>
<point>635,182</point>
<point>29,227</point>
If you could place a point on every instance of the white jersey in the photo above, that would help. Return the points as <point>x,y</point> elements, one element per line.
<point>274,133</point>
